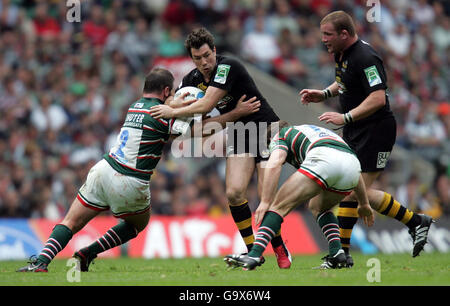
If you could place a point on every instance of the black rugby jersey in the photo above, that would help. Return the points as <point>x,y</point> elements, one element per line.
<point>359,73</point>
<point>230,75</point>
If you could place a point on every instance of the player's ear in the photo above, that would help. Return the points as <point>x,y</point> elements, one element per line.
<point>344,34</point>
<point>167,91</point>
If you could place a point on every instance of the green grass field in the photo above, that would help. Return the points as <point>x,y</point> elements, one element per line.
<point>428,269</point>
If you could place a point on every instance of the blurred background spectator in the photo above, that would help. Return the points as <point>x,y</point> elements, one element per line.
<point>65,86</point>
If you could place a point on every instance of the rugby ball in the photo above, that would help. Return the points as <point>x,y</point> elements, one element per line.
<point>194,93</point>
<point>181,125</point>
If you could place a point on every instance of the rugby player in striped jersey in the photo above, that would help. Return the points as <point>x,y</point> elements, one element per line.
<point>328,170</point>
<point>120,181</point>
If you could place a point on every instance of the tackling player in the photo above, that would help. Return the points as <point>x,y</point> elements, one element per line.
<point>327,171</point>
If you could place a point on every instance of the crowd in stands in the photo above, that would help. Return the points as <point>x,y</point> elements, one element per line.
<point>65,86</point>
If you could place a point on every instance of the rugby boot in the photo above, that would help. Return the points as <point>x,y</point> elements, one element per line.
<point>420,234</point>
<point>349,261</point>
<point>244,261</point>
<point>34,265</point>
<point>230,259</point>
<point>85,258</point>
<point>284,258</point>
<point>337,261</point>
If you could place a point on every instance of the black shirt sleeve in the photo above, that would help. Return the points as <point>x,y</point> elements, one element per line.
<point>226,74</point>
<point>371,72</point>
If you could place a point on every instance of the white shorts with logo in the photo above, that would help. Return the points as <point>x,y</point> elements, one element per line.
<point>334,170</point>
<point>105,188</point>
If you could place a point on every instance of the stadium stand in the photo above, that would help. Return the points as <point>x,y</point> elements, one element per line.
<point>64,87</point>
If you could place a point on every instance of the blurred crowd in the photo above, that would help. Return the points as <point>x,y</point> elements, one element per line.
<point>65,86</point>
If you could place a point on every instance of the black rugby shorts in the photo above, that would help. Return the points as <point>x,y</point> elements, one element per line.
<point>250,139</point>
<point>372,142</point>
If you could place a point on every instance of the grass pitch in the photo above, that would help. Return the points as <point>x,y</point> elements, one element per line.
<point>429,269</point>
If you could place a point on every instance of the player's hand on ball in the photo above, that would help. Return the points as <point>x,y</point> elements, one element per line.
<point>161,111</point>
<point>180,102</point>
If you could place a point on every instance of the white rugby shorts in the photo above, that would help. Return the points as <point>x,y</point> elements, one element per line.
<point>334,170</point>
<point>105,188</point>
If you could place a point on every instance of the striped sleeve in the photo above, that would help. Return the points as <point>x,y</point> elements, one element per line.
<point>278,143</point>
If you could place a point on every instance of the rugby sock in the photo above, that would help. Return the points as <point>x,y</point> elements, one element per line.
<point>115,236</point>
<point>242,216</point>
<point>330,229</point>
<point>277,240</point>
<point>270,225</point>
<point>347,216</point>
<point>57,241</point>
<point>390,207</point>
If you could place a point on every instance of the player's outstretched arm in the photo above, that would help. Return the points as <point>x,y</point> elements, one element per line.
<point>243,108</point>
<point>200,107</point>
<point>271,177</point>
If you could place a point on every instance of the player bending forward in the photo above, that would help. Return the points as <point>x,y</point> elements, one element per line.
<point>328,170</point>
<point>119,182</point>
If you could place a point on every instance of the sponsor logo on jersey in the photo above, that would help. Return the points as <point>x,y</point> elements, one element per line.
<point>372,75</point>
<point>222,73</point>
<point>382,159</point>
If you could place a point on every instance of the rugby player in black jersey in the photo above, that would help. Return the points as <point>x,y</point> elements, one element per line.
<point>369,126</point>
<point>225,80</point>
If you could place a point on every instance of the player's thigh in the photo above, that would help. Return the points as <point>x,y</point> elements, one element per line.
<point>297,189</point>
<point>139,221</point>
<point>126,195</point>
<point>324,201</point>
<point>369,178</point>
<point>239,171</point>
<point>78,216</point>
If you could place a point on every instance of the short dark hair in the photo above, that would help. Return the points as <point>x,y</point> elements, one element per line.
<point>158,79</point>
<point>275,128</point>
<point>340,21</point>
<point>198,38</point>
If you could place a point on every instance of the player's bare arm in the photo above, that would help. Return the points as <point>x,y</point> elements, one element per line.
<point>370,105</point>
<point>243,108</point>
<point>271,178</point>
<point>201,106</point>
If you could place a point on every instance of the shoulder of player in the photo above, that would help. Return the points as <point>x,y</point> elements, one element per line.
<point>364,54</point>
<point>144,103</point>
<point>228,60</point>
<point>189,78</point>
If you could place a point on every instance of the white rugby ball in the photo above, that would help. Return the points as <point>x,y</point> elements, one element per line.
<point>194,93</point>
<point>181,125</point>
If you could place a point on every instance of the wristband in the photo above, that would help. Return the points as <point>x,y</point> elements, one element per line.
<point>348,118</point>
<point>327,93</point>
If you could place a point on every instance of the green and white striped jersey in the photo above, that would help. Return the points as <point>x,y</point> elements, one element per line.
<point>298,140</point>
<point>139,145</point>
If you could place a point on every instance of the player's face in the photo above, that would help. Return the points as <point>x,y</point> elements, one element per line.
<point>204,59</point>
<point>331,38</point>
